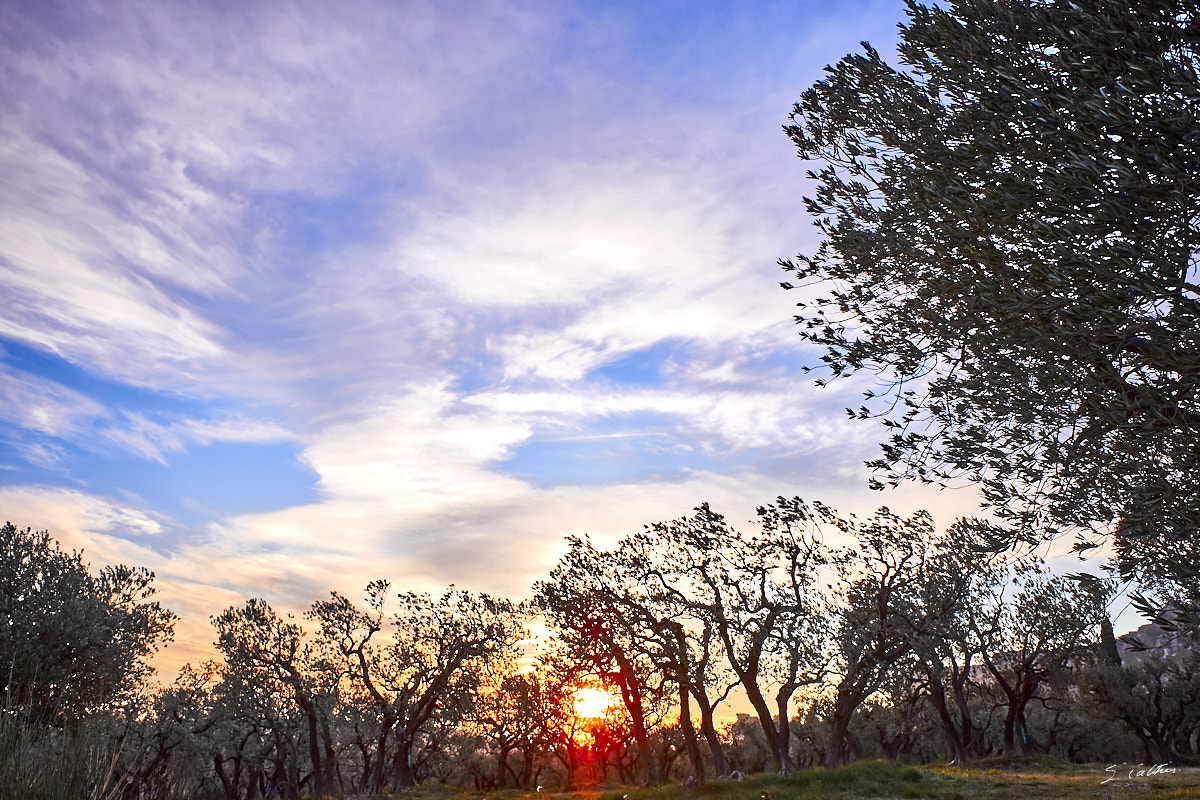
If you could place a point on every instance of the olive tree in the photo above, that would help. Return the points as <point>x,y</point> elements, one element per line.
<point>416,667</point>
<point>704,608</point>
<point>903,586</point>
<point>756,600</point>
<point>1011,226</point>
<point>1030,633</point>
<point>72,642</point>
<point>1156,695</point>
<point>271,662</point>
<point>521,712</point>
<point>602,624</point>
<point>951,654</point>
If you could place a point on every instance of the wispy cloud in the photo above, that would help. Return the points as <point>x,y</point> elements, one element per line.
<point>37,404</point>
<point>486,275</point>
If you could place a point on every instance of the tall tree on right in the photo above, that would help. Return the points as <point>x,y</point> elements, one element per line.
<point>1012,244</point>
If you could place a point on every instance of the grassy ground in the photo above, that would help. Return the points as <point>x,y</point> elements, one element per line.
<point>1002,779</point>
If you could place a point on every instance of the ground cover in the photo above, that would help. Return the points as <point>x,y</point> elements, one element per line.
<point>995,779</point>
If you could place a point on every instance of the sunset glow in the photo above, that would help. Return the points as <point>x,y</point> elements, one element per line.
<point>233,350</point>
<point>591,703</point>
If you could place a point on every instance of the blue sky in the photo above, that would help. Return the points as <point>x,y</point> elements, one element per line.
<point>297,295</point>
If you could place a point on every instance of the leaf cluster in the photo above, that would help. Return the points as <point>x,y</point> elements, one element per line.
<point>73,642</point>
<point>1011,227</point>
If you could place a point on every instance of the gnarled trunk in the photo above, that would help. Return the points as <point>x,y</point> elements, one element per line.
<point>402,771</point>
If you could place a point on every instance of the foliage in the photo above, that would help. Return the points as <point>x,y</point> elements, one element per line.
<point>84,757</point>
<point>72,643</point>
<point>605,626</point>
<point>1012,230</point>
<point>525,713</point>
<point>899,590</point>
<point>1032,638</point>
<point>1156,696</point>
<point>756,598</point>
<point>695,601</point>
<point>404,688</point>
<point>394,685</point>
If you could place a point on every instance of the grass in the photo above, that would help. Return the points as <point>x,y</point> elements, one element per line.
<point>1013,778</point>
<point>41,762</point>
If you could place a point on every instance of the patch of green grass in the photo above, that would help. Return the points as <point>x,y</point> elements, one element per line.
<point>1035,762</point>
<point>1013,778</point>
<point>995,779</point>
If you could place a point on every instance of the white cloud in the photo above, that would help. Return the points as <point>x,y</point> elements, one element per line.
<point>501,205</point>
<point>142,143</point>
<point>424,448</point>
<point>81,521</point>
<point>580,234</point>
<point>39,404</point>
<point>151,439</point>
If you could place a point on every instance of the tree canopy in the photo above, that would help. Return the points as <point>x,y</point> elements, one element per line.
<point>72,643</point>
<point>1012,247</point>
<point>851,638</point>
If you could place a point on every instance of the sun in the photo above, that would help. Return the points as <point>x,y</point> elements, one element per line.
<point>591,703</point>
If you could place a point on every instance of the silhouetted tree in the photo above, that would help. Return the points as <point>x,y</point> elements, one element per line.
<point>756,596</point>
<point>425,666</point>
<point>1029,638</point>
<point>268,655</point>
<point>588,602</point>
<point>1156,695</point>
<point>903,582</point>
<point>1012,247</point>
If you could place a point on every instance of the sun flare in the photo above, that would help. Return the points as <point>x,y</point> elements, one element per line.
<point>591,703</point>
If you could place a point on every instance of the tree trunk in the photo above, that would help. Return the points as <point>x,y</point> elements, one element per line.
<point>376,779</point>
<point>631,696</point>
<point>839,725</point>
<point>329,757</point>
<point>228,784</point>
<point>954,740</point>
<point>709,730</point>
<point>528,776</point>
<point>689,737</point>
<point>570,760</point>
<point>1010,726</point>
<point>322,785</point>
<point>1015,731</point>
<point>966,726</point>
<point>766,720</point>
<point>402,771</point>
<point>784,736</point>
<point>502,768</point>
<point>839,728</point>
<point>683,679</point>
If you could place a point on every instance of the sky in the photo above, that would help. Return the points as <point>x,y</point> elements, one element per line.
<point>299,295</point>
